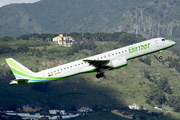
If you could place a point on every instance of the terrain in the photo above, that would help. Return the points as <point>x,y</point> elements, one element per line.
<point>146,81</point>
<point>56,16</point>
<point>155,18</point>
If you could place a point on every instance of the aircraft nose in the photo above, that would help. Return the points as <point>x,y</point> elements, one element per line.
<point>172,42</point>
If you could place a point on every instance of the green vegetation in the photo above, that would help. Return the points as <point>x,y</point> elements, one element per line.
<point>100,116</point>
<point>152,18</point>
<point>155,19</point>
<point>145,81</point>
<point>52,16</point>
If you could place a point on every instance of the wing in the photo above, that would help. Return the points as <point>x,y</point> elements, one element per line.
<point>97,63</point>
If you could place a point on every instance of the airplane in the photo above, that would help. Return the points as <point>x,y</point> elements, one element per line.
<point>99,63</point>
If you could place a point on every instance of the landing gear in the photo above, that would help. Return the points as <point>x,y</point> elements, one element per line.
<point>160,57</point>
<point>100,73</point>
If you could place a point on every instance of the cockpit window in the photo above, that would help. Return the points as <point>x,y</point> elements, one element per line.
<point>163,39</point>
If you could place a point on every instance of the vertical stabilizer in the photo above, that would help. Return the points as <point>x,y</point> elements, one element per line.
<point>19,71</point>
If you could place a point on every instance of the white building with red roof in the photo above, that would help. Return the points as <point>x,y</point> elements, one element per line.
<point>66,41</point>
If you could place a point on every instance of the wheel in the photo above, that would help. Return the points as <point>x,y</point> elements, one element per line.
<point>160,57</point>
<point>98,76</point>
<point>101,75</point>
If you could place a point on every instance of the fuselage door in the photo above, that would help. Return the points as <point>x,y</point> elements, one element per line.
<point>44,76</point>
<point>157,43</point>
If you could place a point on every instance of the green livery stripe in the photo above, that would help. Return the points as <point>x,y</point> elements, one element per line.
<point>169,41</point>
<point>149,53</point>
<point>55,78</point>
<point>13,64</point>
<point>120,66</point>
<point>23,74</point>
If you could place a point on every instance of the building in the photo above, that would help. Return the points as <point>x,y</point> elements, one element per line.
<point>27,108</point>
<point>134,107</point>
<point>84,109</point>
<point>53,111</point>
<point>66,41</point>
<point>62,112</point>
<point>157,108</point>
<point>69,116</point>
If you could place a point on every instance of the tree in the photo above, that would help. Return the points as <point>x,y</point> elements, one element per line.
<point>164,85</point>
<point>157,96</point>
<point>147,60</point>
<point>6,39</point>
<point>73,108</point>
<point>177,107</point>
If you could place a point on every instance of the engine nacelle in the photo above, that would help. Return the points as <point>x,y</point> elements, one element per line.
<point>118,62</point>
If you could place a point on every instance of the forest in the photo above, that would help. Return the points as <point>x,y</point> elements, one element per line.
<point>83,41</point>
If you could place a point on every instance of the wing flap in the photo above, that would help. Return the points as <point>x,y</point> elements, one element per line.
<point>97,63</point>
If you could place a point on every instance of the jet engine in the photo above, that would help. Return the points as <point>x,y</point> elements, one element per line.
<point>118,62</point>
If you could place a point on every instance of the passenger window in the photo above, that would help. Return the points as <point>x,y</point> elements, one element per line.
<point>163,39</point>
<point>125,50</point>
<point>122,51</point>
<point>119,52</point>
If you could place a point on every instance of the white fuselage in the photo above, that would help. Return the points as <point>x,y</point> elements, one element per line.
<point>128,52</point>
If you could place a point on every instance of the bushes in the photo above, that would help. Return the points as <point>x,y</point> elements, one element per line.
<point>5,48</point>
<point>157,96</point>
<point>174,63</point>
<point>146,60</point>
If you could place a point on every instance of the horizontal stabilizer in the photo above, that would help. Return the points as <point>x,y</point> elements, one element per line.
<point>21,80</point>
<point>14,82</point>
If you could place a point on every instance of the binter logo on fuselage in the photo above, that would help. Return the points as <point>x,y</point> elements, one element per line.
<point>138,48</point>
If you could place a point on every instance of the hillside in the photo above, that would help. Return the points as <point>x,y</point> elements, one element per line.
<point>151,18</point>
<point>155,19</point>
<point>145,81</point>
<point>56,16</point>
